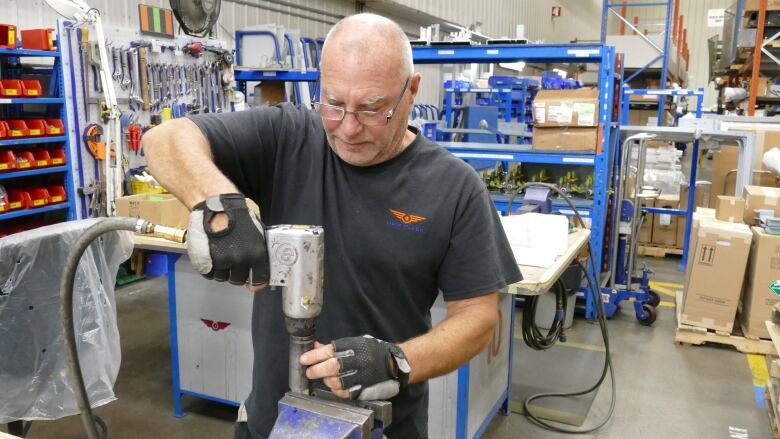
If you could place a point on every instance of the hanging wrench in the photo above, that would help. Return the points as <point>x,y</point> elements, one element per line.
<point>125,81</point>
<point>115,56</point>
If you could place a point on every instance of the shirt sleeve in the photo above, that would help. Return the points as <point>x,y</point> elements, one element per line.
<point>479,259</point>
<point>246,144</point>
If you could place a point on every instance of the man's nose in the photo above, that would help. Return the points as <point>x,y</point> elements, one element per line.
<point>350,125</point>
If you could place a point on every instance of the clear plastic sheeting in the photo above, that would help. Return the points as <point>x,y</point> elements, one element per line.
<point>34,379</point>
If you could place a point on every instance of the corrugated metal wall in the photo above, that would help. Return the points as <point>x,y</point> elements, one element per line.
<point>695,13</point>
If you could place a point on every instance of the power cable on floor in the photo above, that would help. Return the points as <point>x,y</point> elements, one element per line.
<point>602,320</point>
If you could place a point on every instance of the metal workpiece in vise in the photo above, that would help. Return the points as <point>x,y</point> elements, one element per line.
<point>296,256</point>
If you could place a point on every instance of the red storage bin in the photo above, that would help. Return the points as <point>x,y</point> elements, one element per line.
<point>7,160</point>
<point>16,128</point>
<point>11,88</point>
<point>7,36</point>
<point>56,194</point>
<point>35,127</point>
<point>31,88</point>
<point>20,199</point>
<point>24,160</point>
<point>57,156</point>
<point>54,127</point>
<point>3,129</point>
<point>39,196</point>
<point>38,39</point>
<point>5,204</point>
<point>42,158</point>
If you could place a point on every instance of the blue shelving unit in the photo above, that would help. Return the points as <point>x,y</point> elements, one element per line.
<point>609,7</point>
<point>601,161</point>
<point>54,107</point>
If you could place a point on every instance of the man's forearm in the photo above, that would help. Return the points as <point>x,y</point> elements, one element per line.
<point>465,331</point>
<point>179,157</point>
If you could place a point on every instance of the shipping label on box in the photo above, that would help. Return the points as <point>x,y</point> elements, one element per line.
<point>665,224</point>
<point>566,108</point>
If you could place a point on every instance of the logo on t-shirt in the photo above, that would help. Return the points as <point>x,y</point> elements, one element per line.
<point>406,221</point>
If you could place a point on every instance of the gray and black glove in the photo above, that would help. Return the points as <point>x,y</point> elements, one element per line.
<point>365,367</point>
<point>237,253</point>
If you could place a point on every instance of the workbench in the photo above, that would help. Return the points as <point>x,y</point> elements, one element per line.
<point>462,403</point>
<point>538,280</point>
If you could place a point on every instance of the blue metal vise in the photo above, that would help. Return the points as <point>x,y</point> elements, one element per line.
<point>325,416</point>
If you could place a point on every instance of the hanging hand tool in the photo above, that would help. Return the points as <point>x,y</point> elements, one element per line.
<point>115,57</point>
<point>82,34</point>
<point>125,82</point>
<point>143,75</point>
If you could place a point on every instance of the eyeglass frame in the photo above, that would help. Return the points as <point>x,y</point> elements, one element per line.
<point>388,114</point>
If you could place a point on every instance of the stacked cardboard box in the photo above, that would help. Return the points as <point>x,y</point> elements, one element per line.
<point>762,283</point>
<point>760,198</point>
<point>161,209</point>
<point>714,277</point>
<point>566,120</point>
<point>724,165</point>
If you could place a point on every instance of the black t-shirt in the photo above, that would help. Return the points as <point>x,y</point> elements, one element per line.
<point>396,234</point>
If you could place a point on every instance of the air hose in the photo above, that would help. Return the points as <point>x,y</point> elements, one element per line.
<point>95,428</point>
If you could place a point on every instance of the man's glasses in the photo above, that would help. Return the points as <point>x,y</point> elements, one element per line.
<point>372,118</point>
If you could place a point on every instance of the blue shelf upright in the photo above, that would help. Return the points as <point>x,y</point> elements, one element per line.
<point>600,161</point>
<point>15,63</point>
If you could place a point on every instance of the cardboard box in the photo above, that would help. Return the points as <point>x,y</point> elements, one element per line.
<point>641,117</point>
<point>698,201</point>
<point>760,197</point>
<point>716,269</point>
<point>567,108</point>
<point>752,5</point>
<point>763,87</point>
<point>729,208</point>
<point>665,225</point>
<point>162,209</point>
<point>763,274</point>
<point>565,139</point>
<point>724,174</point>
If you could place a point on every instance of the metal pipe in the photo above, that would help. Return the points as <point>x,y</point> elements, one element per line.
<point>297,373</point>
<point>291,13</point>
<point>640,172</point>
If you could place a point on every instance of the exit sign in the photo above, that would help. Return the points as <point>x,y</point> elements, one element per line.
<point>557,11</point>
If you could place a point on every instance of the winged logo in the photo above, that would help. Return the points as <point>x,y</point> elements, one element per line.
<point>215,326</point>
<point>407,218</point>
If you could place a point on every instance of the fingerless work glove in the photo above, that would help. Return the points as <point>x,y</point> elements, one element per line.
<point>366,367</point>
<point>237,253</point>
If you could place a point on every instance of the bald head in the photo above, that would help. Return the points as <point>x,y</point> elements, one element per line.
<point>370,41</point>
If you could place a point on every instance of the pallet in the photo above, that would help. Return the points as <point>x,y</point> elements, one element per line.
<point>694,335</point>
<point>658,251</point>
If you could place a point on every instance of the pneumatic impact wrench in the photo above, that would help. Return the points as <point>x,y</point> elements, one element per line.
<point>296,256</point>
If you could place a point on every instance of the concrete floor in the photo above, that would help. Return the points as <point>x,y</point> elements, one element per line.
<point>664,390</point>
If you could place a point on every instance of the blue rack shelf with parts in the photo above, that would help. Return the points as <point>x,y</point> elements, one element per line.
<point>51,106</point>
<point>601,161</point>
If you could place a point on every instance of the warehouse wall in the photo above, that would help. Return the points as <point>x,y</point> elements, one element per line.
<point>695,12</point>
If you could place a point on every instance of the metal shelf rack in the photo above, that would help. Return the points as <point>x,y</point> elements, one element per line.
<point>601,160</point>
<point>54,108</point>
<point>673,34</point>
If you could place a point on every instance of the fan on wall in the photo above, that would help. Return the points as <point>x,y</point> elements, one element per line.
<point>196,17</point>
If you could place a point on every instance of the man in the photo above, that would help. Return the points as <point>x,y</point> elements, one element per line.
<point>403,220</point>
